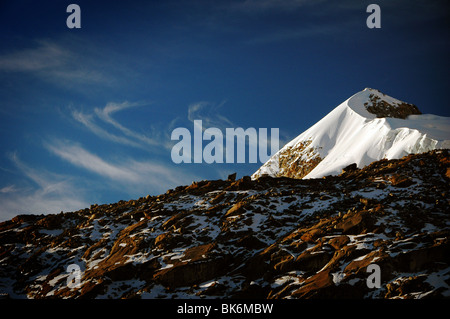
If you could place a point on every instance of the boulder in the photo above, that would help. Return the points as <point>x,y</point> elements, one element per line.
<point>339,241</point>
<point>356,223</point>
<point>244,183</point>
<point>236,209</point>
<point>399,180</point>
<point>311,235</point>
<point>313,284</point>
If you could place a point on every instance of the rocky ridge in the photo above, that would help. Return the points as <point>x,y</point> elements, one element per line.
<point>263,238</point>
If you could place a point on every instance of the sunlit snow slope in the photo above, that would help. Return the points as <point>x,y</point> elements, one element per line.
<point>367,127</point>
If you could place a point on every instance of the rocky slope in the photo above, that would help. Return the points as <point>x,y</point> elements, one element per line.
<point>367,127</point>
<point>264,238</point>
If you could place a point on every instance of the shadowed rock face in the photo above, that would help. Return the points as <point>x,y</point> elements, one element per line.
<point>266,238</point>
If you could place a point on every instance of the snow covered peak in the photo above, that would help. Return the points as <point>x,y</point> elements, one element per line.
<point>367,127</point>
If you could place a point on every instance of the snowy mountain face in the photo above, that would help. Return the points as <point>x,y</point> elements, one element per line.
<point>367,127</point>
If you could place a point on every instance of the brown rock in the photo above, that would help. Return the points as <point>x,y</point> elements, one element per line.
<point>237,209</point>
<point>346,252</point>
<point>361,264</point>
<point>170,240</point>
<point>319,281</point>
<point>19,219</point>
<point>312,235</point>
<point>356,223</point>
<point>410,285</point>
<point>218,198</point>
<point>232,177</point>
<point>198,252</point>
<point>298,246</point>
<point>398,180</point>
<point>350,168</point>
<point>174,219</point>
<point>292,165</point>
<point>285,264</point>
<point>51,221</point>
<point>383,109</point>
<point>339,242</point>
<point>241,184</point>
<point>276,254</point>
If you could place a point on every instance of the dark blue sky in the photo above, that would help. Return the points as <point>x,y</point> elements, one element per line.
<point>86,114</point>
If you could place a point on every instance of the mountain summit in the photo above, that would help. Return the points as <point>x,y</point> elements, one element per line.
<point>367,127</point>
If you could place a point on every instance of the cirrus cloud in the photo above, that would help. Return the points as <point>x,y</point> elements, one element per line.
<point>126,172</point>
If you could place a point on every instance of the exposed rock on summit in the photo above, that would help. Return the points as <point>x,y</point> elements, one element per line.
<point>381,108</point>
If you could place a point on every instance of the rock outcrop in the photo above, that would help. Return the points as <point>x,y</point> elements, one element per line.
<point>396,109</point>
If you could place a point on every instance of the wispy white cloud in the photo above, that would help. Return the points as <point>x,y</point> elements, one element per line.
<point>53,62</point>
<point>125,135</point>
<point>9,189</point>
<point>80,157</point>
<point>42,192</point>
<point>48,192</point>
<point>106,115</point>
<point>89,122</point>
<point>126,172</point>
<point>209,113</point>
<point>45,56</point>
